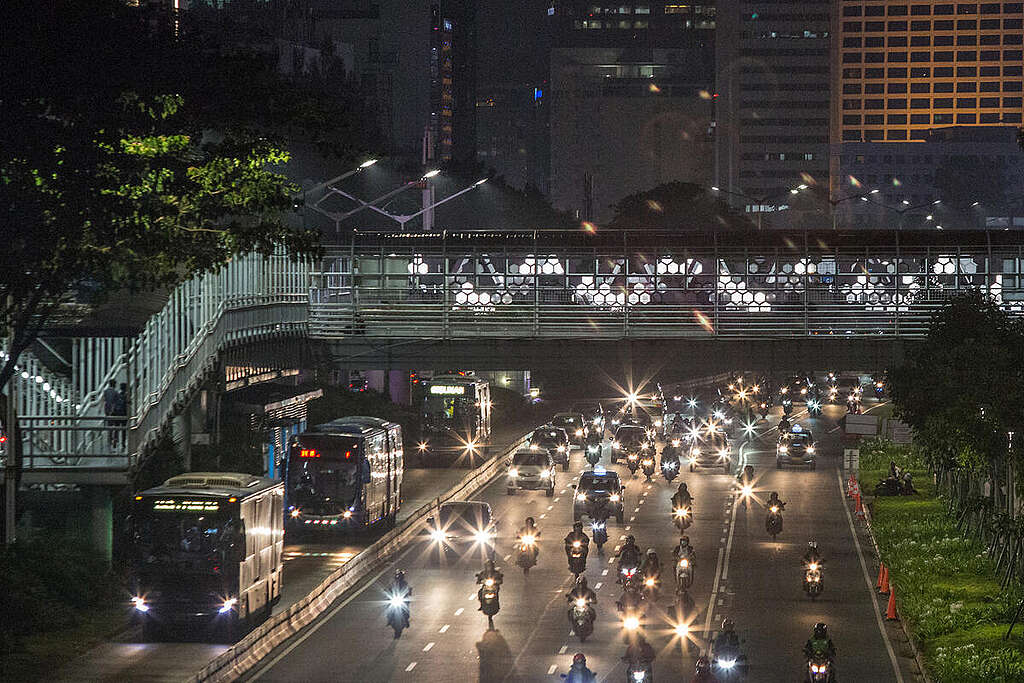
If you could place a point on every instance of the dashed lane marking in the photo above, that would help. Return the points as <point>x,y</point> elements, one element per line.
<point>426,648</point>
<point>562,649</point>
<point>411,667</point>
<point>472,596</point>
<point>445,628</point>
<point>604,573</point>
<point>622,537</point>
<point>627,527</point>
<point>552,669</point>
<point>459,611</point>
<point>544,515</point>
<point>506,558</point>
<point>597,586</point>
<point>633,518</point>
<point>550,507</point>
<point>557,499</point>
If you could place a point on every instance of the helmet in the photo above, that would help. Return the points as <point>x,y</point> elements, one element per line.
<point>578,527</point>
<point>813,545</point>
<point>581,581</point>
<point>773,495</point>
<point>579,659</point>
<point>727,624</point>
<point>399,575</point>
<point>703,666</point>
<point>631,540</point>
<point>821,630</point>
<point>684,540</point>
<point>651,552</point>
<point>682,486</point>
<point>489,566</point>
<point>530,522</point>
<point>749,470</point>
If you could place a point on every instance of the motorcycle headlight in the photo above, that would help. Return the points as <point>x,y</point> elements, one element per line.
<point>534,446</point>
<point>561,449</point>
<point>648,461</point>
<point>581,496</point>
<point>783,449</point>
<point>581,603</point>
<point>396,601</point>
<point>614,498</point>
<point>483,536</point>
<point>810,449</point>
<point>139,604</point>
<point>597,420</point>
<point>695,452</point>
<point>579,432</point>
<point>727,663</point>
<point>513,472</point>
<point>775,508</point>
<point>638,676</point>
<point>296,512</point>
<point>437,535</point>
<point>675,443</point>
<point>657,423</point>
<point>747,490</point>
<point>684,563</point>
<point>528,539</point>
<point>228,605</point>
<point>488,582</point>
<point>632,624</point>
<point>812,566</point>
<point>576,544</point>
<point>723,454</point>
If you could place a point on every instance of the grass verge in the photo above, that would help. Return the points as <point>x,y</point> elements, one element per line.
<point>947,589</point>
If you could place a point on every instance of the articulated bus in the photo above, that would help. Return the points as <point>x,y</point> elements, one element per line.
<point>207,548</point>
<point>455,421</point>
<point>344,475</point>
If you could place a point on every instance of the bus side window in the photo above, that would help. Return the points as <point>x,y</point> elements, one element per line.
<point>366,469</point>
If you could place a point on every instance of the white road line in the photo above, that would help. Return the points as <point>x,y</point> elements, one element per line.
<point>506,558</point>
<point>714,591</point>
<point>611,560</point>
<point>550,507</point>
<point>552,669</point>
<point>472,596</point>
<point>728,545</point>
<point>627,527</point>
<point>622,537</point>
<point>445,628</point>
<point>544,515</point>
<point>633,518</point>
<point>637,510</point>
<point>557,499</point>
<point>411,667</point>
<point>604,573</point>
<point>597,586</point>
<point>562,649</point>
<point>868,583</point>
<point>459,611</point>
<point>426,648</point>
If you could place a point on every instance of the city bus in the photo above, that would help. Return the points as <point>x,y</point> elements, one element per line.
<point>206,548</point>
<point>344,475</point>
<point>455,421</point>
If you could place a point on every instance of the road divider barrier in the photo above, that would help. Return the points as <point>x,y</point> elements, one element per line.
<point>247,653</point>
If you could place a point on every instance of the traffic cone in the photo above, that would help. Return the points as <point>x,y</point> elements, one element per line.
<point>884,588</point>
<point>881,575</point>
<point>890,611</point>
<point>859,510</point>
<point>850,483</point>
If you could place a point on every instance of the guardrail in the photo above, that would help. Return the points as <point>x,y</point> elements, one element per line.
<point>247,653</point>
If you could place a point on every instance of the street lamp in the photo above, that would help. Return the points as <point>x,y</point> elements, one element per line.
<point>906,207</point>
<point>760,201</point>
<point>332,189</point>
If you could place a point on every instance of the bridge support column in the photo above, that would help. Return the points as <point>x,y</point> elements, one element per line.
<point>398,385</point>
<point>183,428</point>
<point>100,521</point>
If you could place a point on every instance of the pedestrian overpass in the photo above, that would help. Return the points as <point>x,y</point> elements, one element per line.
<point>495,300</point>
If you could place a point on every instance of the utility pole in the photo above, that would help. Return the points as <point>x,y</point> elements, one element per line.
<point>12,452</point>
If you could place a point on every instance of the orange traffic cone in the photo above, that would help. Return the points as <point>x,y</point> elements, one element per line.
<point>890,611</point>
<point>884,588</point>
<point>881,575</point>
<point>859,510</point>
<point>851,484</point>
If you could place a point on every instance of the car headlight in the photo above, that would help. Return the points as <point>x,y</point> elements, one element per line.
<point>139,603</point>
<point>581,496</point>
<point>648,461</point>
<point>657,423</point>
<point>810,449</point>
<point>438,535</point>
<point>544,474</point>
<point>483,536</point>
<point>675,443</point>
<point>783,449</point>
<point>645,444</point>
<point>695,452</point>
<point>228,605</point>
<point>513,472</point>
<point>614,498</point>
<point>723,454</point>
<point>347,514</point>
<point>632,624</point>
<point>561,449</point>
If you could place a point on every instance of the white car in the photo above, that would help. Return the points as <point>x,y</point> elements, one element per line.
<point>531,469</point>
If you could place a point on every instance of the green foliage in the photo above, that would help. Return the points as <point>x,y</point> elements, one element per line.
<point>676,206</point>
<point>970,664</point>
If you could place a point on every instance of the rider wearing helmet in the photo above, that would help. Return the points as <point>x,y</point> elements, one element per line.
<point>629,555</point>
<point>640,654</point>
<point>727,640</point>
<point>577,535</point>
<point>400,589</point>
<point>651,566</point>
<point>579,673</point>
<point>682,498</point>
<point>684,549</point>
<point>580,590</point>
<point>813,555</point>
<point>773,500</point>
<point>820,644</point>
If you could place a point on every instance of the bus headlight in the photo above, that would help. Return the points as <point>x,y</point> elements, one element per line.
<point>228,605</point>
<point>139,603</point>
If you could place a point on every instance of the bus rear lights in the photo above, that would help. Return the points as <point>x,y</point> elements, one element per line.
<point>228,605</point>
<point>140,604</point>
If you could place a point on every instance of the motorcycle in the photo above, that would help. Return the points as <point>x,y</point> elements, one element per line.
<point>526,556</point>
<point>763,409</point>
<point>631,606</point>
<point>669,469</point>
<point>729,663</point>
<point>594,454</point>
<point>648,466</point>
<point>632,462</point>
<point>638,673</point>
<point>787,406</point>
<point>627,572</point>
<point>599,532</point>
<point>683,518</point>
<point>812,580</point>
<point>582,618</point>
<point>577,558</point>
<point>820,670</point>
<point>488,597</point>
<point>684,575</point>
<point>784,426</point>
<point>773,523</point>
<point>398,613</point>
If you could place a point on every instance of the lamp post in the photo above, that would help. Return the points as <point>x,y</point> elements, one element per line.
<point>863,196</point>
<point>906,207</point>
<point>761,200</point>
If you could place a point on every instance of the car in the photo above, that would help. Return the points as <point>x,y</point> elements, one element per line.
<point>555,441</point>
<point>796,447</point>
<point>596,487</point>
<point>462,525</point>
<point>592,411</point>
<point>574,425</point>
<point>629,439</point>
<point>531,470</point>
<point>711,450</point>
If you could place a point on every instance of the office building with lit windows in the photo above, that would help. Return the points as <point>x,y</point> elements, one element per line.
<point>772,100</point>
<point>630,100</point>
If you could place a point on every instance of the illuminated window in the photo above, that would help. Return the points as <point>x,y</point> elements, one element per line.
<point>677,9</point>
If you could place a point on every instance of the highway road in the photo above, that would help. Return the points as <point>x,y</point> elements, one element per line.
<point>740,573</point>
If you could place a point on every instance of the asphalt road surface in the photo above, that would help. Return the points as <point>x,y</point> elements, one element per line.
<point>740,573</point>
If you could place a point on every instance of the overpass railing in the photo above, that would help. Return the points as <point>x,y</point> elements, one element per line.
<point>422,290</point>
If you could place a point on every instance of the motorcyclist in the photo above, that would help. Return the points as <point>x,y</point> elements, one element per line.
<point>727,640</point>
<point>703,673</point>
<point>682,498</point>
<point>820,644</point>
<point>399,588</point>
<point>784,425</point>
<point>489,572</point>
<point>580,590</point>
<point>629,555</point>
<point>577,535</point>
<point>529,528</point>
<point>640,654</point>
<point>651,565</point>
<point>746,476</point>
<point>684,550</point>
<point>813,555</point>
<point>773,501</point>
<point>579,673</point>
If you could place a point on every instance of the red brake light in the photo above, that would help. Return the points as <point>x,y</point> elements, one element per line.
<point>348,454</point>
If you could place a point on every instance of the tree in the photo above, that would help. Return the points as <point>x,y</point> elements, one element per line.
<point>114,186</point>
<point>677,206</point>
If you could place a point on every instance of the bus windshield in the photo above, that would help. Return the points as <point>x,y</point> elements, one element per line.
<point>185,541</point>
<point>444,408</point>
<point>324,474</point>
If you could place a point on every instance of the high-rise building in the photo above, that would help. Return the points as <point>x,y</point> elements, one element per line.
<point>772,99</point>
<point>452,121</point>
<point>630,100</point>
